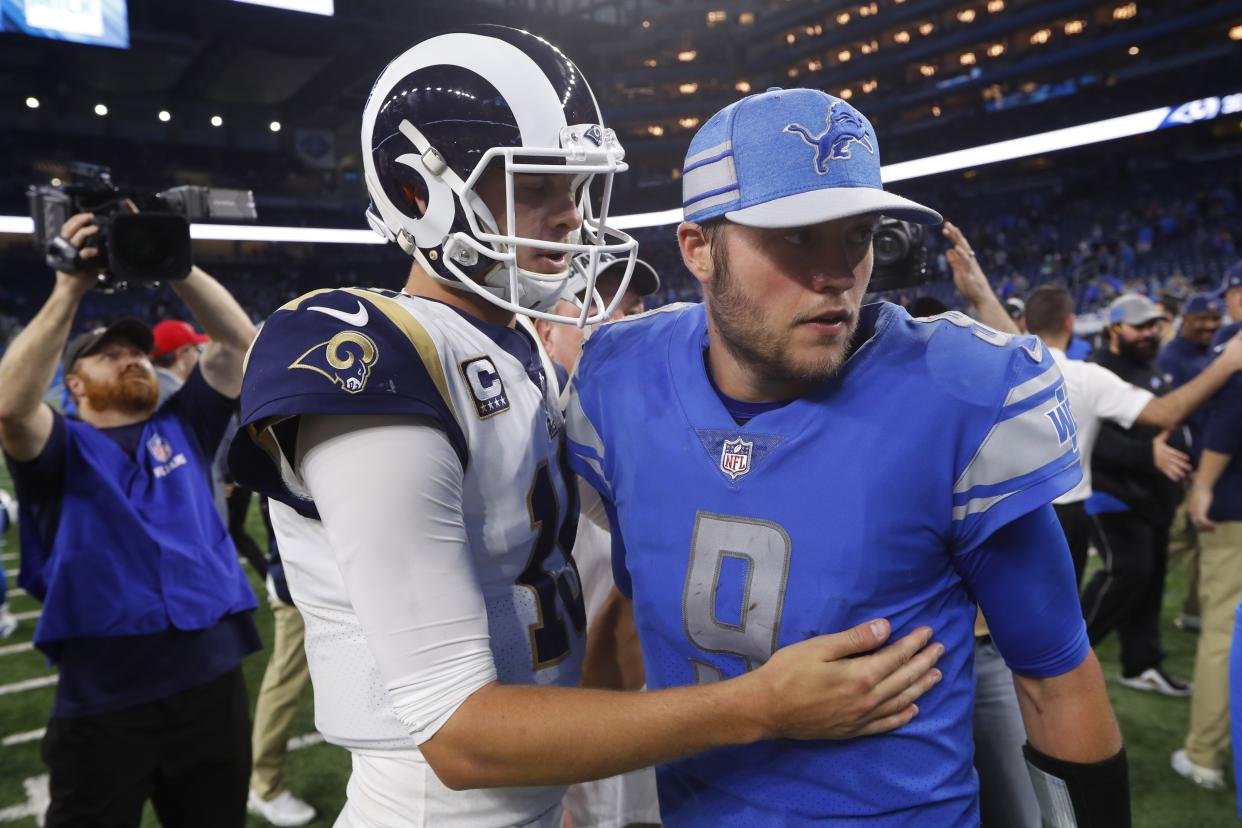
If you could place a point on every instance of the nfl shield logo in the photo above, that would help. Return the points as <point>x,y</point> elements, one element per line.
<point>159,448</point>
<point>735,457</point>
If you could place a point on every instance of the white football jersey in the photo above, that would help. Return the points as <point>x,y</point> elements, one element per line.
<point>519,514</point>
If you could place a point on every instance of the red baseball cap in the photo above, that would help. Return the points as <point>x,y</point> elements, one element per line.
<point>172,334</point>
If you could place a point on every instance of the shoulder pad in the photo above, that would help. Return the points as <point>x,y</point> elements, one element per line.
<point>346,351</point>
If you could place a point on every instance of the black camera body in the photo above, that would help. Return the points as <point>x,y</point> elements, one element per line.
<point>149,246</point>
<point>900,255</point>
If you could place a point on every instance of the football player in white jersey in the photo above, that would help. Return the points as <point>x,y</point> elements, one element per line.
<point>411,445</point>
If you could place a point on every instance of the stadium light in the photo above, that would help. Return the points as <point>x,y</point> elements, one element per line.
<point>101,110</point>
<point>1110,129</point>
<point>274,126</point>
<point>1235,33</point>
<point>32,102</point>
<point>249,232</point>
<point>1044,142</point>
<point>217,121</point>
<point>165,115</point>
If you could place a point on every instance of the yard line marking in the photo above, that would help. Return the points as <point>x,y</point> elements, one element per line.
<point>22,738</point>
<point>28,684</point>
<point>27,616</point>
<point>305,740</point>
<point>37,800</point>
<point>12,649</point>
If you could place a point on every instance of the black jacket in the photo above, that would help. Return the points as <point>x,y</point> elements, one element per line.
<point>1122,464</point>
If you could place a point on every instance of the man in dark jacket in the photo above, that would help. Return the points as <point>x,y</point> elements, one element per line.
<point>1136,474</point>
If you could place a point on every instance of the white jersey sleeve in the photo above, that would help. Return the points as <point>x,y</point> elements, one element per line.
<point>1112,398</point>
<point>379,482</point>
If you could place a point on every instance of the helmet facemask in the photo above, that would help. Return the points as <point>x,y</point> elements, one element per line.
<point>455,106</point>
<point>587,152</point>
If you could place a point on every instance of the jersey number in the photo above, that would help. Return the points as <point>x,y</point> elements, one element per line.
<point>764,549</point>
<point>549,639</point>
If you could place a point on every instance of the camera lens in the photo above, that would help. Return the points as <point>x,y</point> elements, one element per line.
<point>148,247</point>
<point>891,245</point>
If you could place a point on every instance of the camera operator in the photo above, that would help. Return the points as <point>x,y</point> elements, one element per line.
<point>146,611</point>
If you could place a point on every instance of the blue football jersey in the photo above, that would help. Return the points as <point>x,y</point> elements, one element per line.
<point>853,502</point>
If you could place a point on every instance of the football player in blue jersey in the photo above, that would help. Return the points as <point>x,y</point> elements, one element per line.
<point>411,445</point>
<point>782,462</point>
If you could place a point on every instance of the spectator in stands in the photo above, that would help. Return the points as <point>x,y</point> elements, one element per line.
<point>1182,359</point>
<point>1136,474</point>
<point>8,517</point>
<point>1216,509</point>
<point>176,351</point>
<point>286,676</point>
<point>629,799</point>
<point>145,609</point>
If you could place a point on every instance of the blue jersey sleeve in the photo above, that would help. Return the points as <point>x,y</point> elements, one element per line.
<point>343,351</point>
<point>1023,579</point>
<point>1020,450</point>
<point>584,428</point>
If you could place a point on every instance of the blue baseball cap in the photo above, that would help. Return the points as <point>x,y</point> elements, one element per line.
<point>789,158</point>
<point>1204,303</point>
<point>1233,279</point>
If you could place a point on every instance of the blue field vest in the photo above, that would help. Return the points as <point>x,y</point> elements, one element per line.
<point>139,547</point>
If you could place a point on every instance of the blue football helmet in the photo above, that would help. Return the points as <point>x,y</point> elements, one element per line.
<point>444,111</point>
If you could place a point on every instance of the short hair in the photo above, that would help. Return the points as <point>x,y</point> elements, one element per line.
<point>1047,308</point>
<point>166,359</point>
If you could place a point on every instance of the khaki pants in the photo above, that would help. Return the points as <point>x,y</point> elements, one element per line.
<point>1184,546</point>
<point>1220,586</point>
<point>283,681</point>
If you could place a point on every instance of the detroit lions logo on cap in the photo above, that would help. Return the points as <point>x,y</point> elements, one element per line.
<point>345,359</point>
<point>844,128</point>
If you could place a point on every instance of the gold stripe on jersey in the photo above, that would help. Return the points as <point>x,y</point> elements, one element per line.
<point>414,331</point>
<point>294,304</point>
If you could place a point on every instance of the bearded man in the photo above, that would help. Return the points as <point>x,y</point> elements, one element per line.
<point>1136,474</point>
<point>146,613</point>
